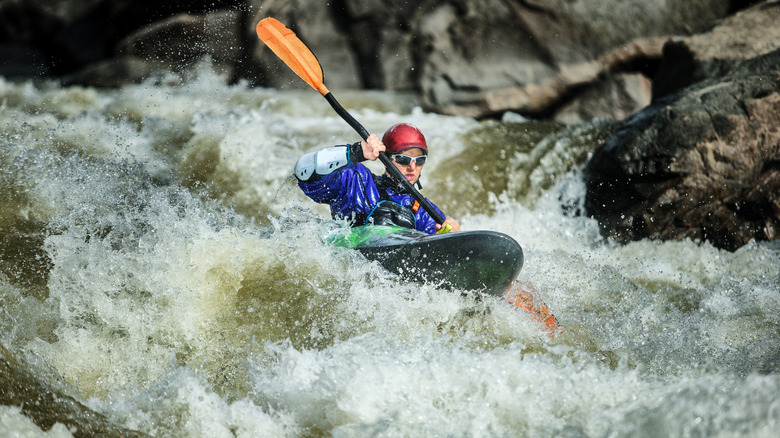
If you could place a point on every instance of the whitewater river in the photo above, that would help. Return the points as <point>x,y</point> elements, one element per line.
<point>159,266</point>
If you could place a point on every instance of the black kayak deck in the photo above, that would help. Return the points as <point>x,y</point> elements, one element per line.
<point>483,261</point>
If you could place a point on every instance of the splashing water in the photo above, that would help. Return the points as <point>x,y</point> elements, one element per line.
<point>160,267</point>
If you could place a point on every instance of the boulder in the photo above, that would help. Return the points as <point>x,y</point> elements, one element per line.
<point>26,34</point>
<point>114,72</point>
<point>183,39</point>
<point>314,23</point>
<point>486,57</point>
<point>702,164</point>
<point>466,57</point>
<point>481,58</point>
<point>611,97</point>
<point>747,34</point>
<point>47,405</point>
<point>575,85</point>
<point>360,44</point>
<point>67,36</point>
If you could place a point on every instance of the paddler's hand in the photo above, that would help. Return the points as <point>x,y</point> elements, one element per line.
<point>452,223</point>
<point>372,147</point>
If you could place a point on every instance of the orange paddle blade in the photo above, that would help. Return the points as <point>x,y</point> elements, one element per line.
<point>525,297</point>
<point>290,49</point>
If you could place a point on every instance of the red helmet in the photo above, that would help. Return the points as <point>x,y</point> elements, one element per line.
<point>403,136</point>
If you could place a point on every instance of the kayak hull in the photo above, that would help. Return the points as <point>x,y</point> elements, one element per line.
<point>481,261</point>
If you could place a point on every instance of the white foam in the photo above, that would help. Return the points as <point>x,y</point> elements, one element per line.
<point>191,293</point>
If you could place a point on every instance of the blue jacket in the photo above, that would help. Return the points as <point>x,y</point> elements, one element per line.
<point>352,192</point>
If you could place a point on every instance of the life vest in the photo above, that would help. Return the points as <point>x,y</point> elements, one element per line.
<point>389,212</point>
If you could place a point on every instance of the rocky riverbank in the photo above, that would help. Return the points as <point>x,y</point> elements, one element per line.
<point>695,82</point>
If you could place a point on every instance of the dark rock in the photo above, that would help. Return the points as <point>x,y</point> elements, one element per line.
<point>315,25</point>
<point>64,37</point>
<point>173,44</point>
<point>747,34</point>
<point>702,164</point>
<point>482,57</point>
<point>114,72</point>
<point>467,57</point>
<point>26,33</point>
<point>183,39</point>
<point>47,405</point>
<point>21,60</point>
<point>85,39</point>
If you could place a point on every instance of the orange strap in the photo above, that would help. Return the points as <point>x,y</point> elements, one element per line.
<point>415,206</point>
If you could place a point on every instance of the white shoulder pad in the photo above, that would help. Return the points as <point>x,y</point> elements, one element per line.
<point>322,162</point>
<point>330,159</point>
<point>304,168</point>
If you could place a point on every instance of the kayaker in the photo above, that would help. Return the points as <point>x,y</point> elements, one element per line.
<point>335,176</point>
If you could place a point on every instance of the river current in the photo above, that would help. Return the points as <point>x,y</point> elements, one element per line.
<point>159,266</point>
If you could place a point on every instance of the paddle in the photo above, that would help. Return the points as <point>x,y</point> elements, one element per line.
<point>290,49</point>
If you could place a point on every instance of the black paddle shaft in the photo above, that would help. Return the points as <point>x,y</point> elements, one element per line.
<point>394,172</point>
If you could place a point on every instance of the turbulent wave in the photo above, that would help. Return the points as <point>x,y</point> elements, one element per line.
<point>161,273</point>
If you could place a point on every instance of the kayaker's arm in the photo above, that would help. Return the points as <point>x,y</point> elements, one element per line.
<point>313,165</point>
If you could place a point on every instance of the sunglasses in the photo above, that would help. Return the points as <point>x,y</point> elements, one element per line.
<point>404,160</point>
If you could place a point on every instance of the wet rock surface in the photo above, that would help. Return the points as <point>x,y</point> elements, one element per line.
<point>702,164</point>
<point>461,56</point>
